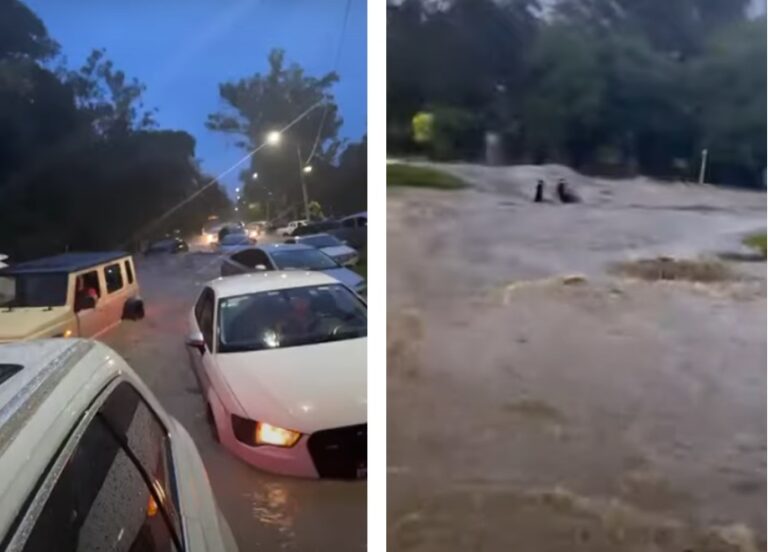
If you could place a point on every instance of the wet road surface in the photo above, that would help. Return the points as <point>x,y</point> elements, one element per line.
<point>599,415</point>
<point>265,511</point>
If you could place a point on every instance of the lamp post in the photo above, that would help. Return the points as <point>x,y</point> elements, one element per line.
<point>273,139</point>
<point>303,169</point>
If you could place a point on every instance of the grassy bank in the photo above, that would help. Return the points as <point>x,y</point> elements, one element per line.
<point>757,242</point>
<point>421,177</point>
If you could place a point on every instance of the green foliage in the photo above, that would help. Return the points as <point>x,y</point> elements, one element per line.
<point>603,85</point>
<point>399,174</point>
<point>757,242</point>
<point>23,34</point>
<point>423,127</point>
<point>80,166</point>
<point>266,102</point>
<point>315,210</point>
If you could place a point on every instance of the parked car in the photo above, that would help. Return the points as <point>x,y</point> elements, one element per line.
<point>288,229</point>
<point>353,230</point>
<point>281,358</point>
<point>331,246</point>
<point>73,294</point>
<point>235,241</point>
<point>281,256</point>
<point>316,227</point>
<point>167,245</point>
<point>212,230</point>
<point>89,460</point>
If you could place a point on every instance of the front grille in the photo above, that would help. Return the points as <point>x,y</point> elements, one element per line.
<point>340,453</point>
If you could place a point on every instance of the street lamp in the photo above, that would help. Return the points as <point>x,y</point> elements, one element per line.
<point>255,175</point>
<point>273,138</point>
<point>307,169</point>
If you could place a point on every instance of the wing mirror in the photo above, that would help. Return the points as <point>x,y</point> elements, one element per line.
<point>195,340</point>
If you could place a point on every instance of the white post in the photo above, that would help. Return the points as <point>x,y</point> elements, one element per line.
<point>703,168</point>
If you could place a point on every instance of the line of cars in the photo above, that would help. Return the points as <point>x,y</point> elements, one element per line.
<point>279,352</point>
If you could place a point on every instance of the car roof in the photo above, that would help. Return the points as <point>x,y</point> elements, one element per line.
<point>66,262</point>
<point>318,235</point>
<point>272,247</point>
<point>228,286</point>
<point>43,363</point>
<point>354,215</point>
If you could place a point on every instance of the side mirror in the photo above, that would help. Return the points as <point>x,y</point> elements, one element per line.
<point>195,339</point>
<point>260,267</point>
<point>84,303</point>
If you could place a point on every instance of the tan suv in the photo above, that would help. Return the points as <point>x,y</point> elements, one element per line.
<point>68,295</point>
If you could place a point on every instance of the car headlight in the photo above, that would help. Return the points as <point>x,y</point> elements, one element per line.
<point>261,433</point>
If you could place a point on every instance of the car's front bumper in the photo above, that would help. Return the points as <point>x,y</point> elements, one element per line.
<point>338,453</point>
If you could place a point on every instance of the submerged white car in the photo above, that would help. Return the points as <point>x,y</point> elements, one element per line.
<point>89,460</point>
<point>281,359</point>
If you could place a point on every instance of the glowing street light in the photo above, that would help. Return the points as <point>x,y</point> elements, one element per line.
<point>273,138</point>
<point>255,175</point>
<point>307,169</point>
<point>237,190</point>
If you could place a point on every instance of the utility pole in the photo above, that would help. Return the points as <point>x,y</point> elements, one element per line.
<point>303,183</point>
<point>703,168</point>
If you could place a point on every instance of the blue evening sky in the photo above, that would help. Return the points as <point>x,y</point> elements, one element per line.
<point>182,50</point>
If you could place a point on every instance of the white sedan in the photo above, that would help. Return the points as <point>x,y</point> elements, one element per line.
<point>281,358</point>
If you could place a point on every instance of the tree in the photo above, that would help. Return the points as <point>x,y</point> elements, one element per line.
<point>268,102</point>
<point>112,103</point>
<point>23,34</point>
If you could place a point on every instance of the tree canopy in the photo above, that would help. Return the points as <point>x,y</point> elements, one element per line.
<point>82,165</point>
<point>287,95</point>
<point>616,86</point>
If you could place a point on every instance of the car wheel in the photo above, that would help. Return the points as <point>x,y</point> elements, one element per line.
<point>133,309</point>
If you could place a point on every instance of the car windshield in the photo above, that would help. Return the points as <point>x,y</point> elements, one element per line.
<point>289,318</point>
<point>235,239</point>
<point>302,259</point>
<point>33,290</point>
<point>322,241</point>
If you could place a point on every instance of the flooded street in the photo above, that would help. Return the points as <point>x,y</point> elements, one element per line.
<point>265,511</point>
<point>556,405</point>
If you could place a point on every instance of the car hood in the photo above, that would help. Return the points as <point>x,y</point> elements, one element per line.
<point>337,250</point>
<point>30,322</point>
<point>305,388</point>
<point>345,276</point>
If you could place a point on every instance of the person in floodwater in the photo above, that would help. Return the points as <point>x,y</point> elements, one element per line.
<point>565,193</point>
<point>539,192</point>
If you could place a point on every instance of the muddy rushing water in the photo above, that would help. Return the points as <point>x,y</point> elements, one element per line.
<point>528,412</point>
<point>265,511</point>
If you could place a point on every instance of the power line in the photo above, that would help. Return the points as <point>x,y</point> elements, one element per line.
<point>214,180</point>
<point>336,61</point>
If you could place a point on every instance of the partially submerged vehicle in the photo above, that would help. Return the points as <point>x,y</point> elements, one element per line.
<point>68,295</point>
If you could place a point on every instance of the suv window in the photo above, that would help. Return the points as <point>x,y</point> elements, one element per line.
<point>102,499</point>
<point>129,271</point>
<point>113,277</point>
<point>251,258</point>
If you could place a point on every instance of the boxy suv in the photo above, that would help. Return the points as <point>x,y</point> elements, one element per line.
<point>73,294</point>
<point>89,460</point>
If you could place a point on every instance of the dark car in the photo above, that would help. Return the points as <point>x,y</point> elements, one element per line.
<point>167,245</point>
<point>353,230</point>
<point>318,227</point>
